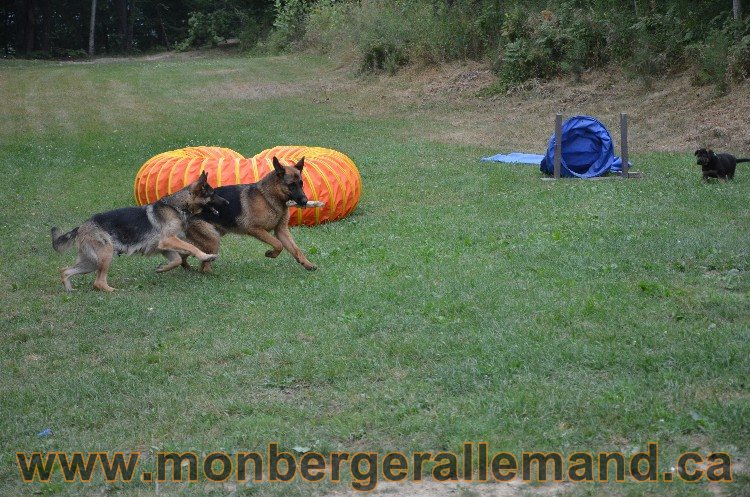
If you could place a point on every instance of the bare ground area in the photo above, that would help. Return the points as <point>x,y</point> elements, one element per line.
<point>669,115</point>
<point>438,489</point>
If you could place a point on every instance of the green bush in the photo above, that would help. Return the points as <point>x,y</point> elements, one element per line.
<point>289,24</point>
<point>200,31</point>
<point>328,25</point>
<point>739,59</point>
<point>381,34</point>
<point>521,40</point>
<point>466,29</point>
<point>567,41</point>
<point>723,54</point>
<point>584,41</point>
<point>387,34</point>
<point>659,42</point>
<point>213,27</point>
<point>739,53</point>
<point>711,61</point>
<point>251,32</point>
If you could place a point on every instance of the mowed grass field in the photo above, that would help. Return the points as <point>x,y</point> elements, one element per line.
<point>460,302</point>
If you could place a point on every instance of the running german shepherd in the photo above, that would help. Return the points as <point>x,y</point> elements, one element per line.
<point>150,229</point>
<point>254,209</point>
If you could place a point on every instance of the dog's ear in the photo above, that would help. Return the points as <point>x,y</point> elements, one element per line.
<point>197,184</point>
<point>200,184</point>
<point>300,164</point>
<point>698,152</point>
<point>278,167</point>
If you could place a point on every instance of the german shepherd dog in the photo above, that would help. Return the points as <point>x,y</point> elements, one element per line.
<point>148,230</point>
<point>255,209</point>
<point>720,166</point>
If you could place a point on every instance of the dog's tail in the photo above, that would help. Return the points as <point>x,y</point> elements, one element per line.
<point>61,242</point>
<point>742,160</point>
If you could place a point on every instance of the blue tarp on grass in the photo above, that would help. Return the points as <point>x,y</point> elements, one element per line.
<point>515,158</point>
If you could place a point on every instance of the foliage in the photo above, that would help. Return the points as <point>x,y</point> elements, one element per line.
<point>381,35</point>
<point>201,31</point>
<point>524,40</point>
<point>289,24</point>
<point>63,25</point>
<point>387,34</point>
<point>521,39</point>
<point>327,24</point>
<point>711,59</point>
<point>465,29</point>
<point>659,41</point>
<point>739,59</point>
<point>550,44</point>
<point>723,55</point>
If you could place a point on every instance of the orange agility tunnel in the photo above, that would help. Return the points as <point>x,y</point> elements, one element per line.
<point>328,176</point>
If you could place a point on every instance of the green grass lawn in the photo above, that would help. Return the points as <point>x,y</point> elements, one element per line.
<point>460,302</point>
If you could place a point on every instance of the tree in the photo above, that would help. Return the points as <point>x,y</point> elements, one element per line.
<point>123,26</point>
<point>29,36</point>
<point>91,28</point>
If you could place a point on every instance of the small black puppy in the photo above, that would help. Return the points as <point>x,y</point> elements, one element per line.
<point>717,165</point>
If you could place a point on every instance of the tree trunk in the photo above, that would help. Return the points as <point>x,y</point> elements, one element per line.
<point>91,28</point>
<point>737,9</point>
<point>28,44</point>
<point>131,25</point>
<point>46,23</point>
<point>8,40</point>
<point>122,25</point>
<point>161,22</point>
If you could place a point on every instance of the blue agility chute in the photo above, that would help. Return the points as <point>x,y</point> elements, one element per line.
<point>587,150</point>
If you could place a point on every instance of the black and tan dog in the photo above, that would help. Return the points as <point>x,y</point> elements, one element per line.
<point>719,166</point>
<point>255,209</point>
<point>148,230</point>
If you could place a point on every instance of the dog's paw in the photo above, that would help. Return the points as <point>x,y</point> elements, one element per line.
<point>272,253</point>
<point>210,258</point>
<point>103,287</point>
<point>310,267</point>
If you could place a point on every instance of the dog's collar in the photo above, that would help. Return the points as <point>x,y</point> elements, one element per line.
<point>184,213</point>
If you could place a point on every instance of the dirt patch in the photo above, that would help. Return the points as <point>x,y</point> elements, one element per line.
<point>669,115</point>
<point>316,90</point>
<point>431,488</point>
<point>250,91</point>
<point>228,46</point>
